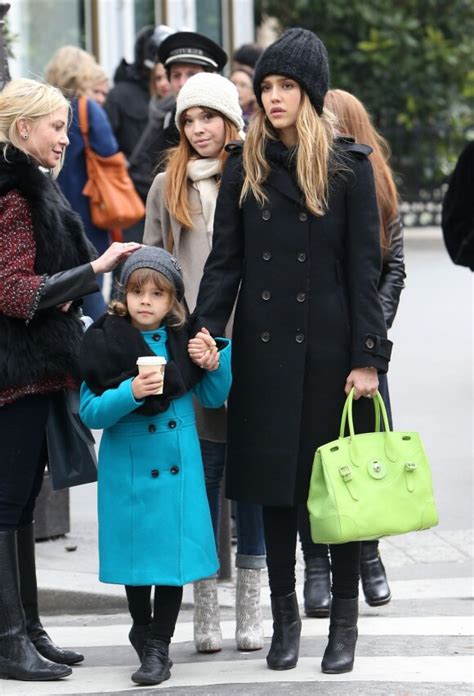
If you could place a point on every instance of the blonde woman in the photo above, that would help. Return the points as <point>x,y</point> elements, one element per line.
<point>45,269</point>
<point>296,242</point>
<point>76,73</point>
<point>354,121</point>
<point>180,217</point>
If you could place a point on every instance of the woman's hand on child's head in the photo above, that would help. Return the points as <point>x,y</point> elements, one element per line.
<point>113,255</point>
<point>203,351</point>
<point>147,385</point>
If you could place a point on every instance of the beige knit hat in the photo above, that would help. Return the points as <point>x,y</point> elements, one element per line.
<point>214,92</point>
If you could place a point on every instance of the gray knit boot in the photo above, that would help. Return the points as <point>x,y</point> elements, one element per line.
<point>207,630</point>
<point>248,614</point>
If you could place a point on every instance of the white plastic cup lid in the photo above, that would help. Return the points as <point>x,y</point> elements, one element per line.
<point>152,360</point>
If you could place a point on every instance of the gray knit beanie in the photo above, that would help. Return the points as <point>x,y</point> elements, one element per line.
<point>157,259</point>
<point>212,91</point>
<point>301,56</point>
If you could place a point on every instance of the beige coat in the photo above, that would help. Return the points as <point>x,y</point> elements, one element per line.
<point>191,248</point>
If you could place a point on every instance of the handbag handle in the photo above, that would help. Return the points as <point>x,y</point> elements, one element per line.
<point>379,408</point>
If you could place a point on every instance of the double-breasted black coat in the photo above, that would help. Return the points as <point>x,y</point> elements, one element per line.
<point>308,311</point>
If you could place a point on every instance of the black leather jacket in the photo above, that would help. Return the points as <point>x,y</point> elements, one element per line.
<point>393,273</point>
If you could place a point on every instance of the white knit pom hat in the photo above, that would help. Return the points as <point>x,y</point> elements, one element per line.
<point>214,92</point>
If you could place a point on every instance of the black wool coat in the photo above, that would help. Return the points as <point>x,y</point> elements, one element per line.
<point>308,311</point>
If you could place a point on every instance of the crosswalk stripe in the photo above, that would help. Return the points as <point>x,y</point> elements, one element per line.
<point>367,669</point>
<point>436,588</point>
<point>116,635</point>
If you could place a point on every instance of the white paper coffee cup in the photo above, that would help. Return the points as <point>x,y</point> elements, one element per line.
<point>152,363</point>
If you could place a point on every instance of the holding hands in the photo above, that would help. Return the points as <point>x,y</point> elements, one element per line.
<point>202,350</point>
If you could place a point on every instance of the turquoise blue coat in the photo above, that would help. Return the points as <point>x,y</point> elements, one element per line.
<point>154,520</point>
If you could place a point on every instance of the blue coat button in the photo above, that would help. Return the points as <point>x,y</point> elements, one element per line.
<point>155,473</point>
<point>172,424</point>
<point>174,469</point>
<point>152,428</point>
<point>156,337</point>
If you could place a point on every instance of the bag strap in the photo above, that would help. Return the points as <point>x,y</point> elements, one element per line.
<point>379,408</point>
<point>83,119</point>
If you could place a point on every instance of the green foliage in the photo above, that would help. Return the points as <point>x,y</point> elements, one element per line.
<point>409,61</point>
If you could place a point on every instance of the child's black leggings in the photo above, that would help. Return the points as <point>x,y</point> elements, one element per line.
<point>165,608</point>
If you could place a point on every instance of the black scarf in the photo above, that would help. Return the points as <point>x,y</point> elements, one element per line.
<point>109,354</point>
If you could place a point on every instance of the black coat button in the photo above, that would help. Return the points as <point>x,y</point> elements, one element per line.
<point>266,215</point>
<point>301,297</point>
<point>370,343</point>
<point>301,256</point>
<point>174,469</point>
<point>303,216</point>
<point>156,337</point>
<point>172,424</point>
<point>265,336</point>
<point>266,294</point>
<point>267,255</point>
<point>152,428</point>
<point>155,473</point>
<point>299,338</point>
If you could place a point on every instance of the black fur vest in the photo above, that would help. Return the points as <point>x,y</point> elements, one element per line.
<point>47,347</point>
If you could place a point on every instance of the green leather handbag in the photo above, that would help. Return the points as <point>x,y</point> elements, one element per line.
<point>370,485</point>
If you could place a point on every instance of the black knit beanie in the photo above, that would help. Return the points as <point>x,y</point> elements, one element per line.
<point>300,55</point>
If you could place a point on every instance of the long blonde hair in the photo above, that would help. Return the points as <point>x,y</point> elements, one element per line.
<point>353,119</point>
<point>30,100</point>
<point>176,177</point>
<point>315,136</point>
<point>74,71</point>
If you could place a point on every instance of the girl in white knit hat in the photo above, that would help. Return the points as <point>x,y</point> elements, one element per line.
<point>180,217</point>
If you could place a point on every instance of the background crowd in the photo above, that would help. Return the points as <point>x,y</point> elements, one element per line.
<point>181,126</point>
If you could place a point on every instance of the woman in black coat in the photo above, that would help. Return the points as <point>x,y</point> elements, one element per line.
<point>354,120</point>
<point>297,229</point>
<point>45,269</point>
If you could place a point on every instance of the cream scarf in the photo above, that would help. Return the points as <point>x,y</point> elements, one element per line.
<point>203,173</point>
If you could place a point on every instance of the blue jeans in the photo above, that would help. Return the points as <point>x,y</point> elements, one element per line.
<point>250,536</point>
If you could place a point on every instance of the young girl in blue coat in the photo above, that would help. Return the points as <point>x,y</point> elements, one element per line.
<point>154,520</point>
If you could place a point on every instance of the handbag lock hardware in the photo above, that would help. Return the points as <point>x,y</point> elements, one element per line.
<point>410,481</point>
<point>376,469</point>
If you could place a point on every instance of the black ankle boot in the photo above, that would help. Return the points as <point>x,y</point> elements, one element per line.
<point>285,645</point>
<point>138,636</point>
<point>29,598</point>
<point>339,653</point>
<point>317,587</point>
<point>19,658</point>
<point>373,576</point>
<point>155,666</point>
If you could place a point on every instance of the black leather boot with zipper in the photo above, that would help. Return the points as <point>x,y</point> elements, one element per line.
<point>373,576</point>
<point>317,587</point>
<point>29,598</point>
<point>285,645</point>
<point>339,654</point>
<point>19,659</point>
